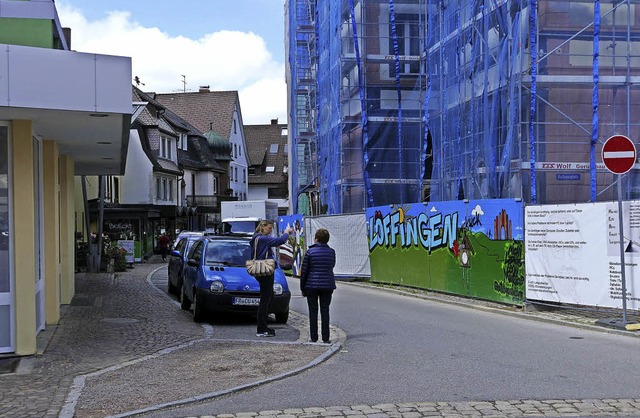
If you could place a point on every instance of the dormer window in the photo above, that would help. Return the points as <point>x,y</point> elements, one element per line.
<point>270,169</point>
<point>166,147</point>
<point>273,149</point>
<point>182,141</point>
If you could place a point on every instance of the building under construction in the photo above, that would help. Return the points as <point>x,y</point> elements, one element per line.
<point>394,102</point>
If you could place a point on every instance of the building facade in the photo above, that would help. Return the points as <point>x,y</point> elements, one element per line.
<point>268,163</point>
<point>67,116</point>
<point>432,100</point>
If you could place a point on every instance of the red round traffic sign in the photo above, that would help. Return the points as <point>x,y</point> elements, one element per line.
<point>618,154</point>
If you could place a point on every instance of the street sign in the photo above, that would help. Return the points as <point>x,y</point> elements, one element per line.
<point>618,154</point>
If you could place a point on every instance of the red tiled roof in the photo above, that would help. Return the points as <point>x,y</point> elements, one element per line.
<point>204,110</point>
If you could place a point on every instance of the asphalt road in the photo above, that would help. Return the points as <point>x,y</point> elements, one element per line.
<point>402,349</point>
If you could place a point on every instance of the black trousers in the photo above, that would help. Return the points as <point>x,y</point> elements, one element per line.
<point>324,297</point>
<point>266,295</point>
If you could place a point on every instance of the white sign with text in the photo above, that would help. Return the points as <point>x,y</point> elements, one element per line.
<point>572,254</point>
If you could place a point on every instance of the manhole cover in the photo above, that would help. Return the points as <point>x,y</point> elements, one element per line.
<point>9,365</point>
<point>119,320</point>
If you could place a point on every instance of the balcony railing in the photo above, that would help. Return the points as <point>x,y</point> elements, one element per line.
<point>208,200</point>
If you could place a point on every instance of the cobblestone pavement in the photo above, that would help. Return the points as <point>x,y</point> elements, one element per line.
<point>119,330</point>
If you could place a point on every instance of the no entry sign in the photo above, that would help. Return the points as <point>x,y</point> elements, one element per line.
<point>618,154</point>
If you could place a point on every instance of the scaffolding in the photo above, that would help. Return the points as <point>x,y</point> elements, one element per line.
<point>302,101</point>
<point>432,100</point>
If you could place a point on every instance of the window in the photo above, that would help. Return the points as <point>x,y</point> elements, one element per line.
<point>270,169</point>
<point>166,147</point>
<point>170,189</point>
<point>408,36</point>
<point>273,149</point>
<point>235,130</point>
<point>235,150</point>
<point>183,141</point>
<point>236,173</point>
<point>116,190</point>
<point>239,149</point>
<point>158,189</point>
<point>231,173</point>
<point>180,247</point>
<point>244,175</point>
<point>196,251</point>
<point>215,185</point>
<point>164,189</point>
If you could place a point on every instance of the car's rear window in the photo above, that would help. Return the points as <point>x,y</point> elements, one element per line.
<point>227,252</point>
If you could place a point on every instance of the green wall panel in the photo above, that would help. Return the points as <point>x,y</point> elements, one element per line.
<point>26,32</point>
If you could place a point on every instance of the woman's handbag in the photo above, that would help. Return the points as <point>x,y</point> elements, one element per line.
<point>260,268</point>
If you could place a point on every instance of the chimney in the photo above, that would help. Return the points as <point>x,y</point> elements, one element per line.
<point>274,121</point>
<point>203,89</point>
<point>67,35</point>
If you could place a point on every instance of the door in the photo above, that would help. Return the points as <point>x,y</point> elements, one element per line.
<point>6,269</point>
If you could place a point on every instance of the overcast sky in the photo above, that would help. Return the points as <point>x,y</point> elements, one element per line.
<point>225,44</point>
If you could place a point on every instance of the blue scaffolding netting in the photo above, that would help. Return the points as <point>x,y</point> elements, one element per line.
<point>398,101</point>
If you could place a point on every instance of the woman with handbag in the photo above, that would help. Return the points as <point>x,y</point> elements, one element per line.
<point>261,244</point>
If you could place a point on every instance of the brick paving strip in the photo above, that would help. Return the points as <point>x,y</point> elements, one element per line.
<point>495,409</point>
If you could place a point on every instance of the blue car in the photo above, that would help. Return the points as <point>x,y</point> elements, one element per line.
<point>178,259</point>
<point>215,280</point>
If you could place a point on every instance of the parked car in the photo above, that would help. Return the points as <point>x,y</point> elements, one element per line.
<point>178,258</point>
<point>215,280</point>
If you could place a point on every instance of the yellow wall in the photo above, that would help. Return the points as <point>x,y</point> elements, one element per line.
<point>67,229</point>
<point>51,215</point>
<point>23,238</point>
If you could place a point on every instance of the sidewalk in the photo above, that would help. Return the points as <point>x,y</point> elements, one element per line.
<point>121,330</point>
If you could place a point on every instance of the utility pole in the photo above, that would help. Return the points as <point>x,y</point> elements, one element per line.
<point>184,83</point>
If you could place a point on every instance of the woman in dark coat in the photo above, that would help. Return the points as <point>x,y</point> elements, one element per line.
<point>262,241</point>
<point>317,283</point>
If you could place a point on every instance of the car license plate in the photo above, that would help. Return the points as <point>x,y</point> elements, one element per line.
<point>246,301</point>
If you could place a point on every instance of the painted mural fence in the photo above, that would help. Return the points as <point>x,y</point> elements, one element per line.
<point>573,253</point>
<point>469,248</point>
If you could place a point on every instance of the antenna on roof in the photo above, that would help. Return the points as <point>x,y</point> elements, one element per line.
<point>184,83</point>
<point>136,79</point>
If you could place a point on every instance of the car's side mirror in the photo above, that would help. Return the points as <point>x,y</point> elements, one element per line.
<point>286,266</point>
<point>175,253</point>
<point>192,262</point>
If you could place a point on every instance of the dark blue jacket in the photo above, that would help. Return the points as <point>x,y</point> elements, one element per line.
<point>265,242</point>
<point>317,268</point>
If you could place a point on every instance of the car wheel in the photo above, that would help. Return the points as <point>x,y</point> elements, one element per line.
<point>282,317</point>
<point>198,309</point>
<point>185,303</point>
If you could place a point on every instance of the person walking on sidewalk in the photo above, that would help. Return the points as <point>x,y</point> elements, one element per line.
<point>262,241</point>
<point>164,246</point>
<point>317,283</point>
